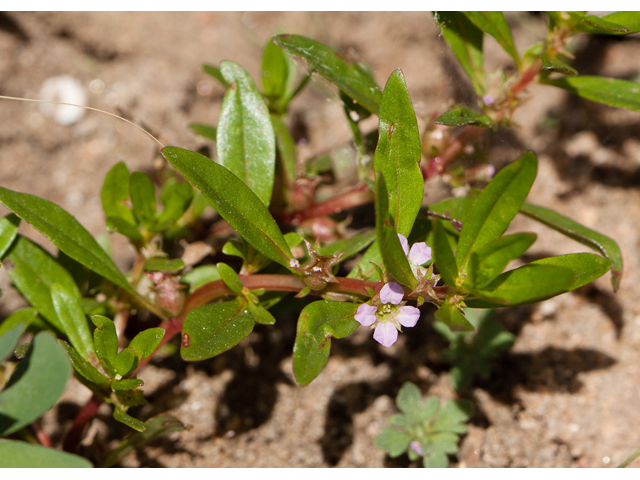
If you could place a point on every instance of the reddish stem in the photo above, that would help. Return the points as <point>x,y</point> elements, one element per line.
<point>42,437</point>
<point>80,424</point>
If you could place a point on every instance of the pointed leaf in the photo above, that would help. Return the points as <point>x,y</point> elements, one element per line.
<point>286,148</point>
<point>558,66</point>
<point>318,323</point>
<point>207,131</point>
<point>84,368</point>
<point>105,340</point>
<point>73,320</point>
<point>215,73</point>
<point>245,140</point>
<point>146,342</point>
<point>212,329</point>
<point>115,191</point>
<point>495,25</point>
<point>121,416</point>
<point>453,318</point>
<point>35,385</point>
<point>460,115</point>
<point>398,154</point>
<point>157,427</point>
<point>278,73</point>
<point>33,272</point>
<point>586,267</point>
<point>332,65</point>
<point>17,454</point>
<point>610,91</point>
<point>8,232</point>
<point>590,238</point>
<point>394,258</point>
<point>24,316</point>
<point>234,201</point>
<point>530,283</point>
<point>65,232</point>
<point>628,20</point>
<point>465,39</point>
<point>230,278</point>
<point>162,264</point>
<point>443,255</point>
<point>488,261</point>
<point>495,207</point>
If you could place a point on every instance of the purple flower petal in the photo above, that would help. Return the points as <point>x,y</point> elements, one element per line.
<point>385,334</point>
<point>408,316</point>
<point>416,447</point>
<point>366,315</point>
<point>404,242</point>
<point>391,293</point>
<point>420,253</point>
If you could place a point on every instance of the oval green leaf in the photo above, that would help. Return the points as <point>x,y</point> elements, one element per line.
<point>212,329</point>
<point>230,278</point>
<point>318,322</point>
<point>610,91</point>
<point>335,67</point>
<point>115,191</point>
<point>84,368</point>
<point>398,155</point>
<point>35,385</point>
<point>245,140</point>
<point>146,342</point>
<point>143,198</point>
<point>73,320</point>
<point>234,201</point>
<point>460,115</point>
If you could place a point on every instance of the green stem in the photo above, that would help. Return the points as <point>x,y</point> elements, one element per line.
<point>631,458</point>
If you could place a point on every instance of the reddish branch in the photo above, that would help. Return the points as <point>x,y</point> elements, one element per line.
<point>74,436</point>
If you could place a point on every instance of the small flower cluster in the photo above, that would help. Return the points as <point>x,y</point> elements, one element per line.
<point>390,313</point>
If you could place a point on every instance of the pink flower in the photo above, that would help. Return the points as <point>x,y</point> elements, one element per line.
<point>416,447</point>
<point>388,315</point>
<point>419,254</point>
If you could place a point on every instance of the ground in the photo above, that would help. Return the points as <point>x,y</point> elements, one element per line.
<point>566,395</point>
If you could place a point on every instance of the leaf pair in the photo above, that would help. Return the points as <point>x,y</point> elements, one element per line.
<point>120,187</point>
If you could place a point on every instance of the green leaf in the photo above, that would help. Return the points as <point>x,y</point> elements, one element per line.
<point>215,73</point>
<point>212,329</point>
<point>495,207</point>
<point>115,191</point>
<point>16,454</point>
<point>393,441</point>
<point>24,316</point>
<point>207,131</point>
<point>146,342</point>
<point>176,199</point>
<point>318,323</point>
<point>453,416</point>
<point>9,340</point>
<point>465,39</point>
<point>286,148</point>
<point>586,267</point>
<point>443,255</point>
<point>126,384</point>
<point>398,154</point>
<point>393,256</point>
<point>530,283</point>
<point>452,317</point>
<point>72,318</point>
<point>230,278</point>
<point>460,115</point>
<point>260,314</point>
<point>35,385</point>
<point>157,427</point>
<point>610,91</point>
<point>121,416</point>
<point>494,24</point>
<point>105,340</point>
<point>143,198</point>
<point>578,22</point>
<point>125,362</point>
<point>628,20</point>
<point>409,399</point>
<point>200,276</point>
<point>33,272</point>
<point>332,65</point>
<point>162,264</point>
<point>278,74</point>
<point>558,66</point>
<point>245,142</point>
<point>65,232</point>
<point>590,238</point>
<point>234,201</point>
<point>488,261</point>
<point>8,232</point>
<point>84,368</point>
<point>365,269</point>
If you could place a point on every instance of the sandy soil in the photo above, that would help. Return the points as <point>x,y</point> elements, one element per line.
<point>565,396</point>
